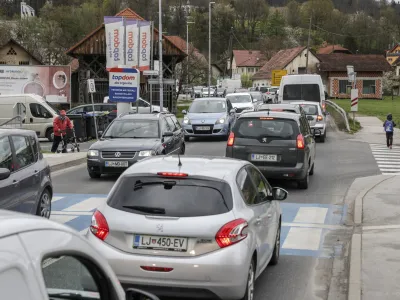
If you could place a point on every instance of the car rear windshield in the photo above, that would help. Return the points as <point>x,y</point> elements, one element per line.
<point>239,98</point>
<point>208,106</point>
<point>274,128</point>
<point>305,92</point>
<point>310,109</point>
<point>263,89</point>
<point>257,96</point>
<point>172,197</point>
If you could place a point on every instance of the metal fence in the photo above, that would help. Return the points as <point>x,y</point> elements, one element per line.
<point>341,112</point>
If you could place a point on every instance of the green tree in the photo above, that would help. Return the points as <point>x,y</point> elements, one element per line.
<point>276,25</point>
<point>319,10</point>
<point>293,17</point>
<point>246,81</point>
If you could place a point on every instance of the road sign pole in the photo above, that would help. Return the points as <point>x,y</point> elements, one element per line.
<point>92,90</point>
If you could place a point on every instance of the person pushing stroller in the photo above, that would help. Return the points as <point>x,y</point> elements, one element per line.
<point>60,125</point>
<point>389,126</point>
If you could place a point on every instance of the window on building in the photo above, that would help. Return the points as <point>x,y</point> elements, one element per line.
<point>3,63</point>
<point>301,70</point>
<point>368,87</point>
<point>24,63</point>
<point>343,86</point>
<point>251,70</point>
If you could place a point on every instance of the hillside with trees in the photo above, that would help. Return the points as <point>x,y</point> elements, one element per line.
<point>363,26</point>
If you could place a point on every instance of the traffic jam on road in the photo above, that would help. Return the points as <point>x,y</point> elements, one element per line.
<point>173,224</point>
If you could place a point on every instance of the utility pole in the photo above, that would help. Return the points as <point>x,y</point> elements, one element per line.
<point>160,56</point>
<point>187,51</point>
<point>308,44</point>
<point>209,47</point>
<point>230,51</point>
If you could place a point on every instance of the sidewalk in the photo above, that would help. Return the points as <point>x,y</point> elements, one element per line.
<point>372,131</point>
<point>59,161</point>
<point>375,255</point>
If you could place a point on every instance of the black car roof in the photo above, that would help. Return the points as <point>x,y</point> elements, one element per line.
<point>8,131</point>
<point>274,114</point>
<point>209,99</point>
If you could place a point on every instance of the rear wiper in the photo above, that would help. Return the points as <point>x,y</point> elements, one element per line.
<point>151,210</point>
<point>167,184</point>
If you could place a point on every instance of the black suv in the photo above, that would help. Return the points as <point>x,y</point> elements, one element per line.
<point>280,144</point>
<point>25,182</point>
<point>131,138</point>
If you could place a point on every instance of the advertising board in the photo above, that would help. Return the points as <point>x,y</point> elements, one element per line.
<point>124,85</point>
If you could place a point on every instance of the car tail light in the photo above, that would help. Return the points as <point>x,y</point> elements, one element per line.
<point>319,118</point>
<point>156,269</point>
<point>232,233</point>
<point>172,174</point>
<point>231,139</point>
<point>99,226</point>
<point>300,142</point>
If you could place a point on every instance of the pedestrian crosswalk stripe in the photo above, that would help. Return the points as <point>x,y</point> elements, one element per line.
<point>388,160</point>
<point>304,225</point>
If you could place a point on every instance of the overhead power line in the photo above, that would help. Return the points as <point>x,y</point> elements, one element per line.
<point>344,35</point>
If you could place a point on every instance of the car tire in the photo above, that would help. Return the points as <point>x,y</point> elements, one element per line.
<point>44,206</point>
<point>249,294</point>
<point>49,134</point>
<point>303,183</point>
<point>94,175</point>
<point>322,138</point>
<point>312,170</point>
<point>187,139</point>
<point>277,248</point>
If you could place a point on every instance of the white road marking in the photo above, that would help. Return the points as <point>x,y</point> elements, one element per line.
<point>377,227</point>
<point>303,239</point>
<point>391,173</point>
<point>386,162</point>
<point>86,205</point>
<point>54,199</point>
<point>313,215</point>
<point>306,225</point>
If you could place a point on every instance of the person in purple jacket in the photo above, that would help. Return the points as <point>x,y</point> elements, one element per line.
<point>389,126</point>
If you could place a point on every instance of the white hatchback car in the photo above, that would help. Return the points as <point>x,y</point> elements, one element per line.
<point>41,259</point>
<point>190,227</point>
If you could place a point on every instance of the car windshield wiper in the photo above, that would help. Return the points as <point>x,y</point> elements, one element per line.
<point>72,296</point>
<point>151,210</point>
<point>167,184</point>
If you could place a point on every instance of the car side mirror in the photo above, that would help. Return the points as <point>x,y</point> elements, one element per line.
<point>254,100</point>
<point>310,118</point>
<point>279,193</point>
<point>184,112</point>
<point>233,111</point>
<point>168,133</point>
<point>4,173</point>
<point>132,293</point>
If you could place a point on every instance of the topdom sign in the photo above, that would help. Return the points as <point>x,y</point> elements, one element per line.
<point>123,85</point>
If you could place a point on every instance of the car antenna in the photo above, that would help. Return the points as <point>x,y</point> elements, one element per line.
<point>179,161</point>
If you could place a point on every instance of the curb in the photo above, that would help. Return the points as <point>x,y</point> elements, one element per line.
<point>355,283</point>
<point>67,164</point>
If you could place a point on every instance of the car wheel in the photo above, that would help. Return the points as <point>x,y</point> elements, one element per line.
<point>94,175</point>
<point>277,248</point>
<point>312,170</point>
<point>322,138</point>
<point>303,183</point>
<point>187,139</point>
<point>249,295</point>
<point>50,134</point>
<point>44,206</point>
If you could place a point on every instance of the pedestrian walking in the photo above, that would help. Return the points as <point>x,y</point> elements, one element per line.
<point>60,125</point>
<point>389,126</point>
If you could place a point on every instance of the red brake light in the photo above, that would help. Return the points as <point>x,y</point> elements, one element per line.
<point>231,233</point>
<point>300,142</point>
<point>156,269</point>
<point>172,174</point>
<point>231,139</point>
<point>266,118</point>
<point>319,118</point>
<point>99,226</point>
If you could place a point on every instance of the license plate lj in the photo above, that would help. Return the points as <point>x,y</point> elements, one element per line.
<point>203,128</point>
<point>116,164</point>
<point>160,243</point>
<point>264,157</point>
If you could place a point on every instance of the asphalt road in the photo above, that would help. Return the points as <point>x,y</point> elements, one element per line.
<point>339,161</point>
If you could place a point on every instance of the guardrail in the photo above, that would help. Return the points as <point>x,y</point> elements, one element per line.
<point>341,111</point>
<point>13,122</point>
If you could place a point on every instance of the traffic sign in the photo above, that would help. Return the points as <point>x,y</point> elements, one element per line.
<point>277,76</point>
<point>91,86</point>
<point>354,100</point>
<point>151,72</point>
<point>124,85</point>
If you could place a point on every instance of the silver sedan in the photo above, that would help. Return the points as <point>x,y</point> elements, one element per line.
<point>190,226</point>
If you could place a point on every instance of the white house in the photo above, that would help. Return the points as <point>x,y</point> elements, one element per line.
<point>246,62</point>
<point>293,60</point>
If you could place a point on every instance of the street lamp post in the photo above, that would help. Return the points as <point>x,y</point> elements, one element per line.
<point>160,56</point>
<point>187,51</point>
<point>209,47</point>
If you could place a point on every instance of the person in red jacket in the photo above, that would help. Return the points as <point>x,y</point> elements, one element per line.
<point>60,125</point>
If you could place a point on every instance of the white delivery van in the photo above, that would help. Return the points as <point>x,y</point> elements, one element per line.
<point>39,114</point>
<point>305,87</point>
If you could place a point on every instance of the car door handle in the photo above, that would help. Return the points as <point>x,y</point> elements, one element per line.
<point>36,173</point>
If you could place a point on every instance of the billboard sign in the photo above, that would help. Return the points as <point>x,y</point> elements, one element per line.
<point>144,46</point>
<point>114,41</point>
<point>51,82</point>
<point>131,43</point>
<point>124,85</point>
